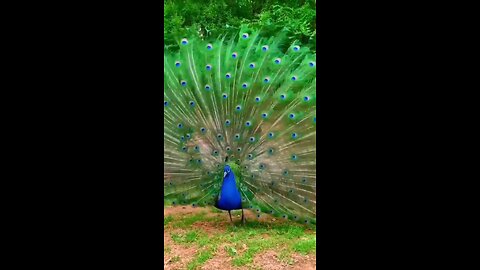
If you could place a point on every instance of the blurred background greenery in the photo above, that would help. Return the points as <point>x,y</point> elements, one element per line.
<point>211,18</point>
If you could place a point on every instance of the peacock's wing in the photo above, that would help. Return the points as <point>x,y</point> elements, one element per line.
<point>252,99</point>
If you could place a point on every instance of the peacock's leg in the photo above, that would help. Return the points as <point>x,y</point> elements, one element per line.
<point>230,215</point>
<point>243,218</point>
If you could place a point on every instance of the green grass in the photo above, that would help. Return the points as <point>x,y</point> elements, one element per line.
<point>286,238</point>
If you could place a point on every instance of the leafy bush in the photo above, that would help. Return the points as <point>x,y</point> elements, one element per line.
<point>219,17</point>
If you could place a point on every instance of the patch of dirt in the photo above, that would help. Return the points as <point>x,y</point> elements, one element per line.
<point>269,260</point>
<point>220,260</point>
<point>182,210</point>
<point>178,257</point>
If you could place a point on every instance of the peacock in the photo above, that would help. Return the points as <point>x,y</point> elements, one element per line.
<point>240,125</point>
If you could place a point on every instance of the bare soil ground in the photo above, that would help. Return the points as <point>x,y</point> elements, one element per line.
<point>204,238</point>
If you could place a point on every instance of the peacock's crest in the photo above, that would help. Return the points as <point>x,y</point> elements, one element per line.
<point>251,99</point>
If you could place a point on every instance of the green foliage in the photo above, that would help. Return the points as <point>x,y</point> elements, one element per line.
<point>211,18</point>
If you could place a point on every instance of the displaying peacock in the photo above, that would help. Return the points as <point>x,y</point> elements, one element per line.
<point>240,125</point>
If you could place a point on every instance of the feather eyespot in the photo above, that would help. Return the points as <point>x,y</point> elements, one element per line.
<point>165,103</point>
<point>182,138</point>
<point>209,46</point>
<point>283,96</point>
<point>180,125</point>
<point>252,65</point>
<point>238,108</point>
<point>207,87</point>
<point>312,64</point>
<point>266,80</point>
<point>188,136</point>
<point>239,149</point>
<point>228,148</point>
<point>192,103</point>
<point>250,156</point>
<point>294,135</point>
<point>245,36</point>
<point>228,75</point>
<point>227,122</point>
<point>265,48</point>
<point>252,139</point>
<point>225,96</point>
<point>177,63</point>
<point>270,134</point>
<point>234,55</point>
<point>294,157</point>
<point>244,85</point>
<point>219,136</point>
<point>306,98</point>
<point>294,78</point>
<point>184,41</point>
<point>248,123</point>
<point>264,115</point>
<point>183,83</point>
<point>237,136</point>
<point>257,99</point>
<point>278,61</point>
<point>291,116</point>
<point>202,130</point>
<point>208,67</point>
<point>296,48</point>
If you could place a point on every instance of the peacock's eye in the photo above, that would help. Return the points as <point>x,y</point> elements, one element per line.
<point>165,103</point>
<point>294,157</point>
<point>306,98</point>
<point>257,99</point>
<point>238,107</point>
<point>234,55</point>
<point>252,65</point>
<point>312,64</point>
<point>244,85</point>
<point>252,139</point>
<point>227,122</point>
<point>282,96</point>
<point>294,78</point>
<point>314,119</point>
<point>265,48</point>
<point>270,134</point>
<point>237,136</point>
<point>239,149</point>
<point>183,83</point>
<point>196,147</point>
<point>264,115</point>
<point>182,138</point>
<point>228,148</point>
<point>278,61</point>
<point>296,48</point>
<point>219,136</point>
<point>245,36</point>
<point>208,67</point>
<point>291,116</point>
<point>184,148</point>
<point>228,75</point>
<point>202,129</point>
<point>188,136</point>
<point>180,125</point>
<point>177,63</point>
<point>294,135</point>
<point>250,156</point>
<point>192,103</point>
<point>207,87</point>
<point>266,80</point>
<point>209,46</point>
<point>184,41</point>
<point>224,96</point>
<point>248,123</point>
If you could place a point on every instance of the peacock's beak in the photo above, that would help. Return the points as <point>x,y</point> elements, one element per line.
<point>224,173</point>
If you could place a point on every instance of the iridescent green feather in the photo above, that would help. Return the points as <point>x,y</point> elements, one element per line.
<point>244,98</point>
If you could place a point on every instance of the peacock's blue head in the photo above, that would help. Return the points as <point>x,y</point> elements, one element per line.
<point>226,170</point>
